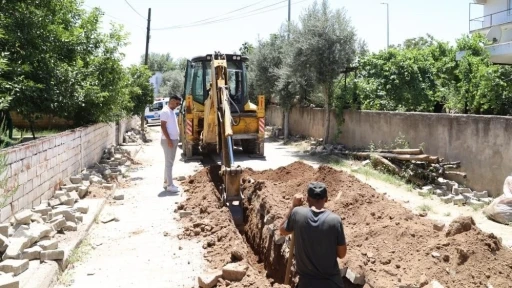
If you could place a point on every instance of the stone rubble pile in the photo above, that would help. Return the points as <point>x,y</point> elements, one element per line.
<point>451,192</point>
<point>29,235</point>
<point>135,137</point>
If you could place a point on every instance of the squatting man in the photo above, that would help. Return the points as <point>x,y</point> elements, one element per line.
<point>170,139</point>
<point>319,239</point>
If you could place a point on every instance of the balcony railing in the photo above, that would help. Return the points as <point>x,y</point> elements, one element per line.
<point>487,21</point>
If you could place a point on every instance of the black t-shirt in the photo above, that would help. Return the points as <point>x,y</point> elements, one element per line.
<point>317,237</point>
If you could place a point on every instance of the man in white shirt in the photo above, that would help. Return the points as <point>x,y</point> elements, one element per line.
<point>170,139</point>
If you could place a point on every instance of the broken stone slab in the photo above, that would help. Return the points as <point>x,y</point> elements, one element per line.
<point>234,271</point>
<point>8,281</point>
<point>82,191</point>
<point>46,245</point>
<point>85,176</point>
<point>95,179</point>
<point>14,266</point>
<point>73,195</point>
<point>69,201</point>
<point>118,196</point>
<point>23,217</point>
<point>24,232</point>
<point>82,207</point>
<point>69,188</point>
<point>16,246</point>
<point>440,193</point>
<point>460,191</point>
<point>107,217</point>
<point>459,200</point>
<point>423,193</point>
<point>52,255</point>
<point>209,280</point>
<point>31,253</point>
<point>75,179</point>
<point>58,224</point>
<point>428,188</point>
<point>70,226</point>
<point>480,195</point>
<point>40,230</point>
<point>109,187</point>
<point>42,210</point>
<point>487,200</point>
<point>68,213</point>
<point>354,277</point>
<point>59,194</point>
<point>79,217</point>
<point>439,226</point>
<point>53,202</point>
<point>4,243</point>
<point>475,203</point>
<point>4,229</point>
<point>434,284</point>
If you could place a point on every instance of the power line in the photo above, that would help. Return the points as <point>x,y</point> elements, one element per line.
<point>231,18</point>
<point>115,18</point>
<point>135,10</point>
<point>230,12</point>
<point>192,24</point>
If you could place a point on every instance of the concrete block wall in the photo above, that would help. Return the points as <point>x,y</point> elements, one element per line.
<point>481,143</point>
<point>38,167</point>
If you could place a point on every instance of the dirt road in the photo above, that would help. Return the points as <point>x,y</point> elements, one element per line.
<point>142,249</point>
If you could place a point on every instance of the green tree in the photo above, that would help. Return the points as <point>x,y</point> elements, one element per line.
<point>172,83</point>
<point>327,44</point>
<point>246,49</point>
<point>159,62</point>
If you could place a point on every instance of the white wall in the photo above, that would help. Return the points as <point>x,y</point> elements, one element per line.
<point>496,6</point>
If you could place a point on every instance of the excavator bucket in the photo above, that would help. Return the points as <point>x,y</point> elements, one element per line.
<point>232,195</point>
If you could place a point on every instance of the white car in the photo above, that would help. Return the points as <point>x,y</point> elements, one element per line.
<point>152,113</point>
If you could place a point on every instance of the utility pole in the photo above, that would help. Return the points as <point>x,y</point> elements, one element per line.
<point>387,10</point>
<point>146,59</point>
<point>289,16</point>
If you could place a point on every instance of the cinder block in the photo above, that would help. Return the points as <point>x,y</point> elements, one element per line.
<point>32,172</point>
<point>27,187</point>
<point>5,213</point>
<point>16,167</point>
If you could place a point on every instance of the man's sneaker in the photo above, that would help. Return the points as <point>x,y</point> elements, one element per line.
<point>173,189</point>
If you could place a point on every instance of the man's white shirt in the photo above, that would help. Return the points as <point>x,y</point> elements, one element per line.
<point>169,117</point>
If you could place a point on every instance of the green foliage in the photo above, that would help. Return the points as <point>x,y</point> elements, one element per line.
<point>246,49</point>
<point>161,62</point>
<point>140,89</point>
<point>172,83</point>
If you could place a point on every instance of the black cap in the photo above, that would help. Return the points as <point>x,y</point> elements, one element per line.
<point>317,190</point>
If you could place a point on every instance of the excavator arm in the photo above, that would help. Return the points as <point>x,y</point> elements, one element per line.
<point>218,124</point>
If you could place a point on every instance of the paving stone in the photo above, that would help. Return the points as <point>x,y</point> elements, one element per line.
<point>40,230</point>
<point>468,196</point>
<point>460,191</point>
<point>42,210</point>
<point>476,203</point>
<point>14,266</point>
<point>209,280</point>
<point>46,245</point>
<point>82,207</point>
<point>75,179</point>
<point>70,226</point>
<point>459,200</point>
<point>487,200</point>
<point>31,253</point>
<point>59,194</point>
<point>73,195</point>
<point>110,187</point>
<point>79,217</point>
<point>234,271</point>
<point>82,191</point>
<point>423,193</point>
<point>4,229</point>
<point>52,255</point>
<point>428,188</point>
<point>69,201</point>
<point>66,212</point>
<point>7,281</point>
<point>53,202</point>
<point>23,217</point>
<point>24,232</point>
<point>440,193</point>
<point>58,224</point>
<point>354,277</point>
<point>480,195</point>
<point>119,196</point>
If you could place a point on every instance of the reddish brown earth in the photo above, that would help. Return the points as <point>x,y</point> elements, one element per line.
<point>387,243</point>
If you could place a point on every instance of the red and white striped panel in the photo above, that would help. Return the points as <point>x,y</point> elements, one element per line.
<point>189,126</point>
<point>262,125</point>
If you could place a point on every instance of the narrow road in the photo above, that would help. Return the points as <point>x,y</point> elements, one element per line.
<point>142,249</point>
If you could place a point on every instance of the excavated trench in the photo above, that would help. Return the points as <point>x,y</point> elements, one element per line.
<point>388,245</point>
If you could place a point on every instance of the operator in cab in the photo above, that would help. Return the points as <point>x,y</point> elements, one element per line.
<point>319,239</point>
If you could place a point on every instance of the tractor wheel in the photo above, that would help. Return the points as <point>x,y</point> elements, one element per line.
<point>249,146</point>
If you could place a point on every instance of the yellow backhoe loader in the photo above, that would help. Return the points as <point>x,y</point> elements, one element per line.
<point>217,114</point>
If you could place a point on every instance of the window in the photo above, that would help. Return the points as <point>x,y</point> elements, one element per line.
<point>235,82</point>
<point>197,82</point>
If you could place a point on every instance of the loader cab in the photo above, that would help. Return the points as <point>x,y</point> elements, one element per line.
<point>198,79</point>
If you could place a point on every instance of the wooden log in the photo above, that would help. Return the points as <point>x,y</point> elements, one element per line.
<point>457,163</point>
<point>402,157</point>
<point>462,174</point>
<point>384,162</point>
<point>401,151</point>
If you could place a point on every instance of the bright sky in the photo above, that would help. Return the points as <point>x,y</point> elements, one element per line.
<point>444,19</point>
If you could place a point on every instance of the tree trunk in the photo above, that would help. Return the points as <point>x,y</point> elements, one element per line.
<point>327,115</point>
<point>286,123</point>
<point>32,130</point>
<point>282,118</point>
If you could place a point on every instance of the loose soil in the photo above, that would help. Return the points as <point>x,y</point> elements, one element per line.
<point>387,244</point>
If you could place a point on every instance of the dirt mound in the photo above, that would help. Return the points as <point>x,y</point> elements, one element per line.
<point>387,244</point>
